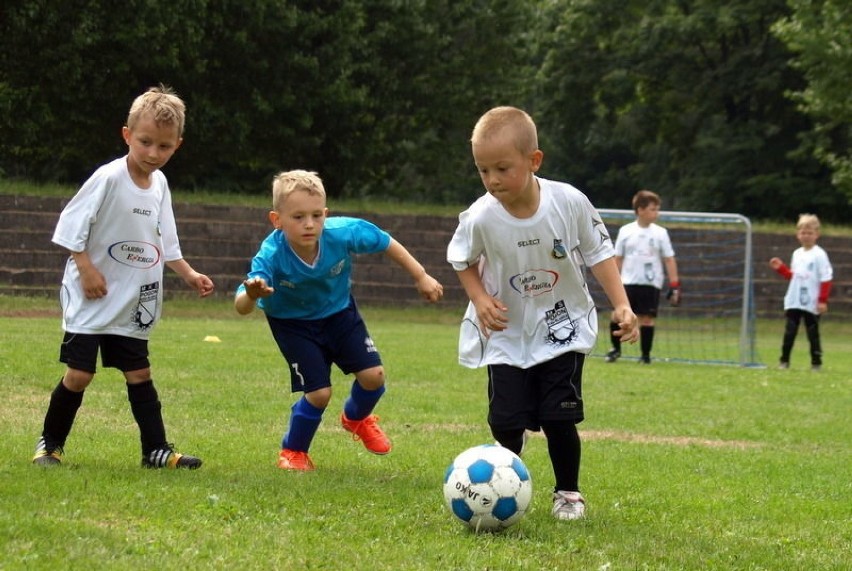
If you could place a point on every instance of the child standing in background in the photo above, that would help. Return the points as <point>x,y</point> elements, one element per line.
<point>810,275</point>
<point>642,249</point>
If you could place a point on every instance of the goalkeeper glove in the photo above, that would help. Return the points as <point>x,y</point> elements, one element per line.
<point>674,294</point>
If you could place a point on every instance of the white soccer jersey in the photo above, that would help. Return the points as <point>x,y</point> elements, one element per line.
<point>128,233</point>
<point>642,251</point>
<point>810,268</point>
<point>534,267</point>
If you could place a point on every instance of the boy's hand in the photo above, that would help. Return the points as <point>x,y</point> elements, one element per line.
<point>775,263</point>
<point>257,288</point>
<point>628,328</point>
<point>674,294</point>
<point>491,314</point>
<point>429,288</point>
<point>93,282</point>
<point>200,283</point>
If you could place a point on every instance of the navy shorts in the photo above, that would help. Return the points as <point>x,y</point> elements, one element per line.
<point>80,351</point>
<point>644,299</point>
<point>525,398</point>
<point>312,346</point>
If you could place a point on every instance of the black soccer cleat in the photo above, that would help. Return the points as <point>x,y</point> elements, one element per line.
<point>168,458</point>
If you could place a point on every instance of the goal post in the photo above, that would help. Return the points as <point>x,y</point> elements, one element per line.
<point>715,322</point>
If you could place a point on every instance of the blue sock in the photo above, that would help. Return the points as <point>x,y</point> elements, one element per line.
<point>361,402</point>
<point>304,422</point>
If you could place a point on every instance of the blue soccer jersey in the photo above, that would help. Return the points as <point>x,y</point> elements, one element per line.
<point>321,289</point>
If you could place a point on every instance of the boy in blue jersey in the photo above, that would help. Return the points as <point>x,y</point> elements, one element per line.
<point>301,279</point>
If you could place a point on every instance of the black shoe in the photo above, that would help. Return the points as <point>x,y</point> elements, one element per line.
<point>47,456</point>
<point>645,360</point>
<point>168,458</point>
<point>613,356</point>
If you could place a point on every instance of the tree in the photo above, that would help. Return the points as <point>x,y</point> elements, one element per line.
<point>820,34</point>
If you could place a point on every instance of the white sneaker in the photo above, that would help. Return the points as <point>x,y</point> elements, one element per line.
<point>568,505</point>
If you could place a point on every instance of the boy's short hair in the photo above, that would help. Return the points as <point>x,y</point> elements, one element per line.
<point>163,104</point>
<point>808,221</point>
<point>494,121</point>
<point>286,182</point>
<point>645,198</point>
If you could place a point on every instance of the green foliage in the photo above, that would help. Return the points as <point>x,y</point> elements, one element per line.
<point>689,98</point>
<point>820,34</point>
<point>685,467</point>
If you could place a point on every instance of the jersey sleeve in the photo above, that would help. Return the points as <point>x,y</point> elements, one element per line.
<point>367,238</point>
<point>167,225</point>
<point>464,249</point>
<point>76,219</point>
<point>595,242</point>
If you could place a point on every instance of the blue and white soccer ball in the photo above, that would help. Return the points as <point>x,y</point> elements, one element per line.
<point>488,487</point>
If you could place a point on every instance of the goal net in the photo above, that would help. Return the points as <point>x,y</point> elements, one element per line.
<point>715,321</point>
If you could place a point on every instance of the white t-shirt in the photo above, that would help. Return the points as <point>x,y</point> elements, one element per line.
<point>535,267</point>
<point>128,233</point>
<point>810,268</point>
<point>642,251</point>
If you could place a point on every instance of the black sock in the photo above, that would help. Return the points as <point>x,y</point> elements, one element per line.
<point>646,339</point>
<point>511,439</point>
<point>616,341</point>
<point>146,408</point>
<point>60,415</point>
<point>563,445</point>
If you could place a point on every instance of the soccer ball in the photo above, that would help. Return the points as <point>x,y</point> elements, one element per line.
<point>488,487</point>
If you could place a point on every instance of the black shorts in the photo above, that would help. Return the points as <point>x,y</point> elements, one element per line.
<point>644,299</point>
<point>80,351</point>
<point>525,398</point>
<point>311,346</point>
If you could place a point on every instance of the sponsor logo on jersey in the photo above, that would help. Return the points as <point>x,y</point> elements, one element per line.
<point>139,255</point>
<point>534,282</point>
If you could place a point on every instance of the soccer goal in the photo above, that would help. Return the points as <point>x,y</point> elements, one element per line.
<point>715,321</point>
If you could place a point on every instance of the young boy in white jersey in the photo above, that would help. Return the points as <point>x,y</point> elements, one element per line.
<point>301,279</point>
<point>810,275</point>
<point>518,252</point>
<point>642,249</point>
<point>120,230</point>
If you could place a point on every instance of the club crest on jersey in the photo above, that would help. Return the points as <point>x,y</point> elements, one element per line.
<point>534,282</point>
<point>559,252</point>
<point>146,309</point>
<point>561,329</point>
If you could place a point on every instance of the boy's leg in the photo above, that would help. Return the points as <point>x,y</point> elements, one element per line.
<point>791,328</point>
<point>357,416</point>
<point>563,446</point>
<point>646,342</point>
<point>812,329</point>
<point>305,419</point>
<point>58,421</point>
<point>615,353</point>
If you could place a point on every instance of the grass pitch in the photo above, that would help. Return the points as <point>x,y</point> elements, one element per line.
<point>684,466</point>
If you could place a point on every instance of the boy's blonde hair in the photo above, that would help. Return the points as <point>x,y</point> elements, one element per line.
<point>498,119</point>
<point>163,104</point>
<point>810,221</point>
<point>645,198</point>
<point>285,183</point>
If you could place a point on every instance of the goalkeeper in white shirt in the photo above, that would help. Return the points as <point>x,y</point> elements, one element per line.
<point>642,251</point>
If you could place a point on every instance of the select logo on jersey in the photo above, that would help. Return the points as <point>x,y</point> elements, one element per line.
<point>525,243</point>
<point>139,255</point>
<point>534,282</point>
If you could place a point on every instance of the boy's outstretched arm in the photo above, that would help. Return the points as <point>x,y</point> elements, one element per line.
<point>427,286</point>
<point>606,272</point>
<point>255,288</point>
<point>199,282</point>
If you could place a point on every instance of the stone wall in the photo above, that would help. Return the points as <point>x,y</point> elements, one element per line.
<point>220,241</point>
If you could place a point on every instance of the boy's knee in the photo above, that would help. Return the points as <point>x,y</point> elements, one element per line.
<point>371,379</point>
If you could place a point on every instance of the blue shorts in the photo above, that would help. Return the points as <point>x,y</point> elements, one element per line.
<point>526,398</point>
<point>80,351</point>
<point>311,346</point>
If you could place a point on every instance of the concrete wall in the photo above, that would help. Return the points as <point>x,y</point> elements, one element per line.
<point>220,241</point>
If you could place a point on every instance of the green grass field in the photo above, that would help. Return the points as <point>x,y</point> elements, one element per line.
<point>684,466</point>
